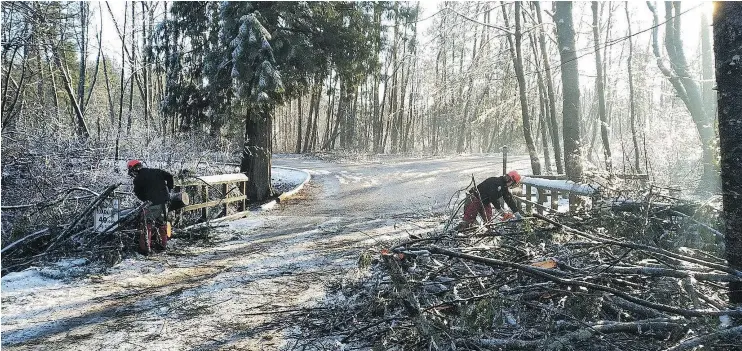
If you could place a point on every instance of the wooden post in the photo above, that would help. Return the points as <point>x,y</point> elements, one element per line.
<point>555,200</point>
<point>504,160</point>
<point>243,204</point>
<point>204,198</point>
<point>541,200</point>
<point>572,203</point>
<point>529,207</point>
<point>225,187</point>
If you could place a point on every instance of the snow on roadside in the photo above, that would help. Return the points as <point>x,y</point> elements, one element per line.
<point>19,283</point>
<point>41,300</point>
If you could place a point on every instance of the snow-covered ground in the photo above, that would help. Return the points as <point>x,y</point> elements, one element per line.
<point>246,288</point>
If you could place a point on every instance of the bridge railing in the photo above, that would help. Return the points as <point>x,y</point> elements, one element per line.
<point>542,193</point>
<point>221,190</point>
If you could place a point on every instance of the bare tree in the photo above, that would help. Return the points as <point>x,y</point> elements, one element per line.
<point>571,90</point>
<point>632,107</point>
<point>516,54</point>
<point>727,41</point>
<point>600,88</point>
<point>550,91</point>
<point>687,88</point>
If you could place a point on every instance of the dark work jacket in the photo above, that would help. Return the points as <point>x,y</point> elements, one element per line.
<point>494,188</point>
<point>152,184</point>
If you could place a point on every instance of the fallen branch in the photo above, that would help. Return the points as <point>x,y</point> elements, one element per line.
<point>542,274</point>
<point>283,311</point>
<point>642,247</point>
<point>667,272</point>
<point>27,237</point>
<point>638,327</point>
<point>637,309</point>
<point>42,204</point>
<point>733,334</point>
<point>367,327</point>
<point>89,209</point>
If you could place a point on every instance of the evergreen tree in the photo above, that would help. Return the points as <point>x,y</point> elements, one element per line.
<point>239,60</point>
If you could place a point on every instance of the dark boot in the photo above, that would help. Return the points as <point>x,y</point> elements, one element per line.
<point>145,239</point>
<point>162,232</point>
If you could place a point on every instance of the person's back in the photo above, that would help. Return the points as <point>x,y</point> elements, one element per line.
<point>151,184</point>
<point>492,189</point>
<point>487,193</point>
<point>154,185</point>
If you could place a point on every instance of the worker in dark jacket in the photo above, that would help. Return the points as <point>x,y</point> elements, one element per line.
<point>487,194</point>
<point>153,185</point>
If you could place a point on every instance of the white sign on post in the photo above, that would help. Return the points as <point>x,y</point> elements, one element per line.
<point>105,215</point>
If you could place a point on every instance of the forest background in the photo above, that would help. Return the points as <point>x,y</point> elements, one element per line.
<point>85,83</point>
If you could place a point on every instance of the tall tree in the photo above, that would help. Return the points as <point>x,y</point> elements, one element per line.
<point>550,91</point>
<point>632,106</point>
<point>727,48</point>
<point>238,47</point>
<point>570,90</point>
<point>516,54</point>
<point>687,89</point>
<point>600,88</point>
<point>707,68</point>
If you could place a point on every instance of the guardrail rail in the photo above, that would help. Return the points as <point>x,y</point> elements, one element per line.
<point>215,190</point>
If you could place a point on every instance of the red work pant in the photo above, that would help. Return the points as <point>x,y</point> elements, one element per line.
<point>474,207</point>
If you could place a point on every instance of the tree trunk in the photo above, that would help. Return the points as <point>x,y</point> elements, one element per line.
<point>570,90</point>
<point>687,89</point>
<point>111,112</point>
<point>133,63</point>
<point>315,125</point>
<point>121,83</point>
<point>543,108</point>
<point>707,69</point>
<point>80,126</point>
<point>55,90</point>
<point>84,10</point>
<point>298,128</point>
<point>256,155</point>
<point>393,112</point>
<point>517,56</point>
<point>146,80</point>
<point>600,90</point>
<point>632,107</point>
<point>727,44</point>
<point>550,91</point>
<point>305,145</point>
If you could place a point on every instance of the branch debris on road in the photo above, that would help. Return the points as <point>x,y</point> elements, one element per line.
<point>586,281</point>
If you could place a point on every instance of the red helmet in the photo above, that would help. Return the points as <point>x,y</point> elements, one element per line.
<point>133,166</point>
<point>514,176</point>
<point>133,163</point>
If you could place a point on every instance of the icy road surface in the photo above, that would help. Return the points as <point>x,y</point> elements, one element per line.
<point>246,290</point>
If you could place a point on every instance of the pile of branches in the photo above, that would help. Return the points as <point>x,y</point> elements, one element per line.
<point>538,284</point>
<point>51,186</point>
<point>77,238</point>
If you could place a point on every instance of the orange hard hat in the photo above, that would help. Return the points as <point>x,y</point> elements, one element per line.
<point>515,176</point>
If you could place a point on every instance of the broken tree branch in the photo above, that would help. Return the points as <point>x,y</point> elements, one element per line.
<point>542,274</point>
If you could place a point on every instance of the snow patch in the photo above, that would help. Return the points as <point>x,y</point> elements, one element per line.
<point>25,281</point>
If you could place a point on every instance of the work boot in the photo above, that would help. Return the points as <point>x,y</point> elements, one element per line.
<point>462,226</point>
<point>145,239</point>
<point>162,232</point>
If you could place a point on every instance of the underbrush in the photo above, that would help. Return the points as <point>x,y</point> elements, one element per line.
<point>47,183</point>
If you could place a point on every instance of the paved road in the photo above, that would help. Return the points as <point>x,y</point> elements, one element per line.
<point>246,288</point>
<point>391,186</point>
